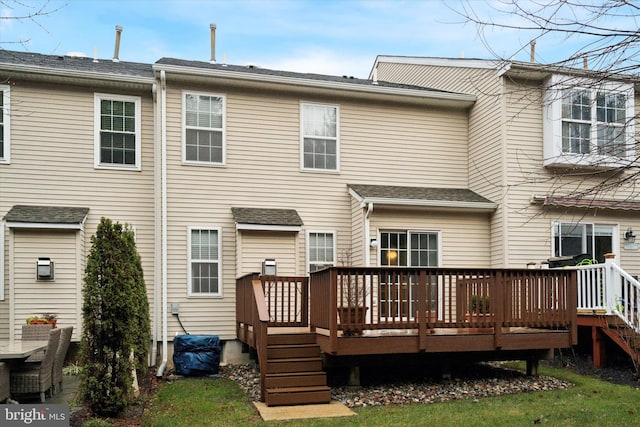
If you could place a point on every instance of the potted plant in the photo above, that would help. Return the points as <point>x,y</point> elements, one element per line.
<point>352,308</point>
<point>479,307</point>
<point>44,319</point>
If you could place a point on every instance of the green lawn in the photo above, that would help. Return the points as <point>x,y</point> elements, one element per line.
<point>591,402</point>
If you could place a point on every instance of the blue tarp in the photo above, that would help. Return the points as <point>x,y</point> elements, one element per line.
<point>196,355</point>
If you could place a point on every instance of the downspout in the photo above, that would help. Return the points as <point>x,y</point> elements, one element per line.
<point>367,235</point>
<point>163,209</point>
<point>156,234</point>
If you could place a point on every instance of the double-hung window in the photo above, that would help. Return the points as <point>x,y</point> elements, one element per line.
<point>204,262</point>
<point>204,128</point>
<point>321,247</point>
<point>117,131</point>
<point>5,135</point>
<point>320,143</point>
<point>588,123</point>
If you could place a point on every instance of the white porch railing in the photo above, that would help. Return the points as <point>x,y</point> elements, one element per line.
<point>608,289</point>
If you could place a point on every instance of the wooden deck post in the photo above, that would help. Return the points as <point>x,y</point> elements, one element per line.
<point>599,347</point>
<point>532,367</point>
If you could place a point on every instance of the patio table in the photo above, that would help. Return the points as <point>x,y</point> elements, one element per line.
<point>16,350</point>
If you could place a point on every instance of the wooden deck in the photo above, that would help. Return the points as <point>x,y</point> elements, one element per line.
<point>491,314</point>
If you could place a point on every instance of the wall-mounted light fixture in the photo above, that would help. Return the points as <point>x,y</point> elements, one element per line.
<point>374,243</point>
<point>44,269</point>
<point>629,236</point>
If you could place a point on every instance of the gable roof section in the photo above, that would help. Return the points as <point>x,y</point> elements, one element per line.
<point>24,216</point>
<point>75,69</point>
<point>427,197</point>
<point>250,76</point>
<point>267,219</point>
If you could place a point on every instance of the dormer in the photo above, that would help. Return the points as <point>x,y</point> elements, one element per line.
<point>588,123</point>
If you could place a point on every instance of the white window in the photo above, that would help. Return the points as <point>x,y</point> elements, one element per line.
<point>117,131</point>
<point>319,130</point>
<point>591,240</point>
<point>321,250</point>
<point>5,134</point>
<point>406,249</point>
<point>1,261</point>
<point>588,124</point>
<point>410,248</point>
<point>204,262</point>
<point>204,128</point>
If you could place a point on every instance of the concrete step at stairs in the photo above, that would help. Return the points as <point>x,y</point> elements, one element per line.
<point>294,374</point>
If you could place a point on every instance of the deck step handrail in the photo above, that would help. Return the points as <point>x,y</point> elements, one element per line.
<point>608,289</point>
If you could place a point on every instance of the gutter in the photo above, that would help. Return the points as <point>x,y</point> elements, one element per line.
<point>156,256</point>
<point>367,235</point>
<point>48,71</point>
<point>163,219</point>
<point>463,100</point>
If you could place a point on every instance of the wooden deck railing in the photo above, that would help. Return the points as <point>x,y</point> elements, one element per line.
<point>426,298</point>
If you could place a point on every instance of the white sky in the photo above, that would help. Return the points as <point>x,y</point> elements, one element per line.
<point>337,37</point>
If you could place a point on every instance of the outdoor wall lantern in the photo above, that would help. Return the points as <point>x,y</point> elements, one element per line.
<point>44,269</point>
<point>629,236</point>
<point>374,243</point>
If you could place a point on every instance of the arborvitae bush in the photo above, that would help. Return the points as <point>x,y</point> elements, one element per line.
<point>115,315</point>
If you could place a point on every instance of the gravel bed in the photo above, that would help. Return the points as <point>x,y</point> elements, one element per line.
<point>482,380</point>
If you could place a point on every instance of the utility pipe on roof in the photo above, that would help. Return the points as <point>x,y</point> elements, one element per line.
<point>116,51</point>
<point>163,219</point>
<point>213,43</point>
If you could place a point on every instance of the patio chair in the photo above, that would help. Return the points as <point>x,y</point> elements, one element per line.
<point>4,382</point>
<point>36,377</point>
<point>36,333</point>
<point>58,361</point>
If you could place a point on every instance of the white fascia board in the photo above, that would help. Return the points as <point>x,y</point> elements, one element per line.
<point>484,206</point>
<point>465,100</point>
<point>263,227</point>
<point>45,225</point>
<point>77,74</point>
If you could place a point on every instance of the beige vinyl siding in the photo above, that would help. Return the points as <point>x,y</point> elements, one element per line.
<point>53,164</point>
<point>464,236</point>
<point>4,303</point>
<point>530,225</point>
<point>379,144</point>
<point>33,297</point>
<point>486,151</point>
<point>357,234</point>
<point>260,245</point>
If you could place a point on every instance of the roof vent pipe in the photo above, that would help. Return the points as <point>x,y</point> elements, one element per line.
<point>213,43</point>
<point>532,43</point>
<point>585,62</point>
<point>116,52</point>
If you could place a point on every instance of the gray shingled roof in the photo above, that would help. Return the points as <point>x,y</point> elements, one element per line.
<point>262,216</point>
<point>72,63</point>
<point>46,214</point>
<point>418,193</point>
<point>303,76</point>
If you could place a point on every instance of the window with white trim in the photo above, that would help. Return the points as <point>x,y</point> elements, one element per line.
<point>588,124</point>
<point>320,143</point>
<point>5,134</point>
<point>117,131</point>
<point>322,251</point>
<point>409,248</point>
<point>406,249</point>
<point>1,262</point>
<point>204,128</point>
<point>595,240</point>
<point>204,262</point>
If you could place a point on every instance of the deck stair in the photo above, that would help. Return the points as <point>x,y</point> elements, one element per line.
<point>627,338</point>
<point>294,374</point>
